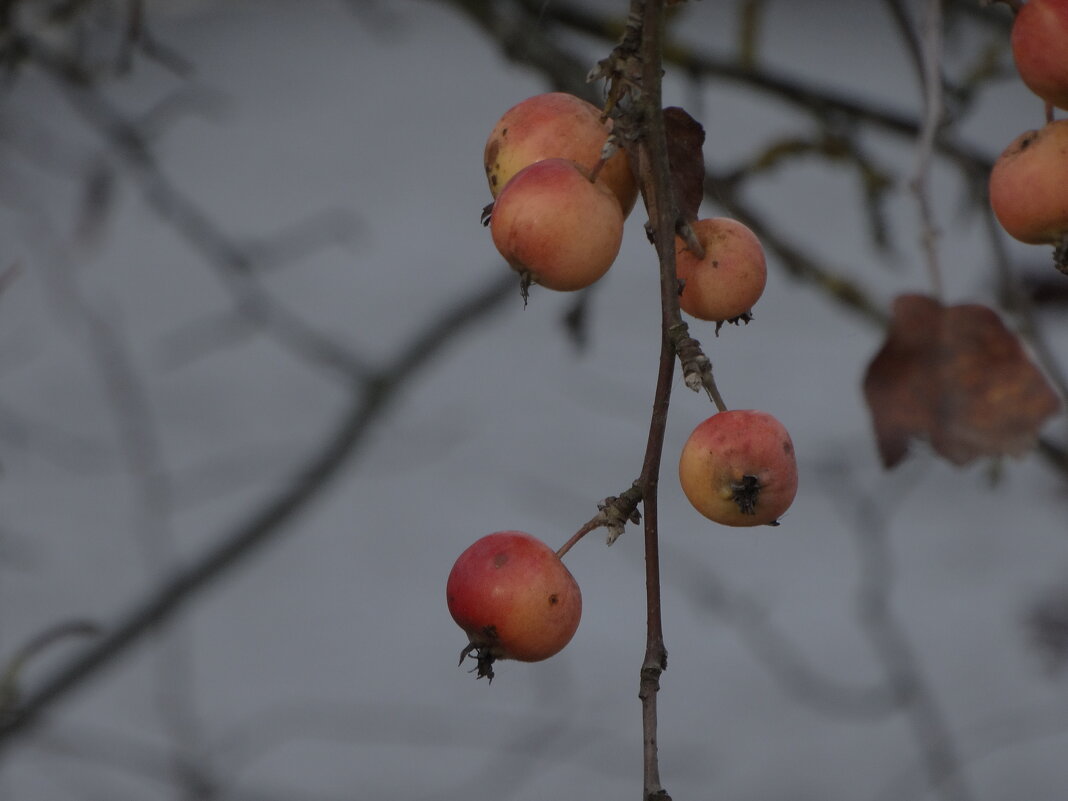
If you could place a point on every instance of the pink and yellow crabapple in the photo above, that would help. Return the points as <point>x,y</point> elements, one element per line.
<point>1040,49</point>
<point>729,279</point>
<point>1029,185</point>
<point>555,125</point>
<point>514,598</point>
<point>555,227</point>
<point>738,468</point>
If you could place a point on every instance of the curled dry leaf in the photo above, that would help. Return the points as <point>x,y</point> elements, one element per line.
<point>956,377</point>
<point>685,137</point>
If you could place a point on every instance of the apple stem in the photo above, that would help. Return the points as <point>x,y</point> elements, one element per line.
<point>587,527</point>
<point>693,244</point>
<point>613,513</point>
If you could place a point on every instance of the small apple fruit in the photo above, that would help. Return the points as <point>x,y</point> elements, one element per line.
<point>556,125</point>
<point>514,598</point>
<point>1040,49</point>
<point>1029,185</point>
<point>555,227</point>
<point>738,468</point>
<point>729,279</point>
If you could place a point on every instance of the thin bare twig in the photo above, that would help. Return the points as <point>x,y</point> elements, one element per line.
<point>139,444</point>
<point>904,675</point>
<point>235,264</point>
<point>938,750</point>
<point>773,648</point>
<point>925,47</point>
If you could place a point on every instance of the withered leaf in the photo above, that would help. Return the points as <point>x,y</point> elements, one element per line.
<point>685,137</point>
<point>956,377</point>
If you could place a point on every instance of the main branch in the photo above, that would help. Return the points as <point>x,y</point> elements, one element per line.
<point>650,151</point>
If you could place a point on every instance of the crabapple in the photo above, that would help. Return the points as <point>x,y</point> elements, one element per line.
<point>1040,49</point>
<point>556,227</point>
<point>729,279</point>
<point>738,468</point>
<point>555,125</point>
<point>514,599</point>
<point>1029,185</point>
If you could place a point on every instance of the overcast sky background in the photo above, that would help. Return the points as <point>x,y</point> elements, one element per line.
<point>325,668</point>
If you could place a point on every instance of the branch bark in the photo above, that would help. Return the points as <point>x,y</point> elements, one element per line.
<point>655,179</point>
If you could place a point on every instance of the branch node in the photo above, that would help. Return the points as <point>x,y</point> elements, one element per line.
<point>617,511</point>
<point>696,367</point>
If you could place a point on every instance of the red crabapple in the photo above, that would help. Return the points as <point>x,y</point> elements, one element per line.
<point>1029,185</point>
<point>555,125</point>
<point>1040,49</point>
<point>738,468</point>
<point>514,599</point>
<point>729,279</point>
<point>556,227</point>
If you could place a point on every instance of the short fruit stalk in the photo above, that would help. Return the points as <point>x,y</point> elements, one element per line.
<point>514,599</point>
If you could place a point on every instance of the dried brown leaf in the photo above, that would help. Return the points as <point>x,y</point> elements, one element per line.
<point>957,378</point>
<point>685,138</point>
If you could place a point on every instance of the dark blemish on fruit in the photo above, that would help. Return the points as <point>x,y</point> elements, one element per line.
<point>500,560</point>
<point>553,600</point>
<point>492,151</point>
<point>745,494</point>
<point>788,448</point>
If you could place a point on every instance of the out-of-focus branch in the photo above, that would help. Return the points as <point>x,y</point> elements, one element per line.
<point>904,675</point>
<point>822,102</point>
<point>139,443</point>
<point>523,40</point>
<point>796,261</point>
<point>235,264</point>
<point>925,48</point>
<point>782,657</point>
<point>320,471</point>
<point>934,738</point>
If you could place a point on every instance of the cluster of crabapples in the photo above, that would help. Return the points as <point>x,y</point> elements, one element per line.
<point>560,199</point>
<point>1029,182</point>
